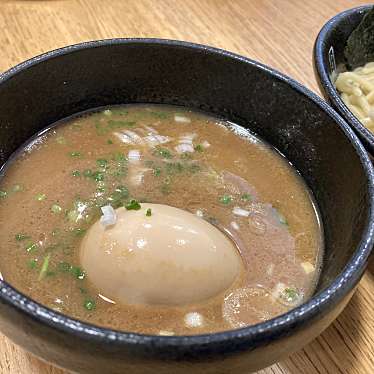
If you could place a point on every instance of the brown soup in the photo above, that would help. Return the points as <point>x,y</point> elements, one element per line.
<point>51,197</point>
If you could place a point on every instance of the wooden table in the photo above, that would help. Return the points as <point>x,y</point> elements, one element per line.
<point>279,33</point>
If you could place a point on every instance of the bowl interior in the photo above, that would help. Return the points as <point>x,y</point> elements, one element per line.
<point>330,60</point>
<point>38,93</point>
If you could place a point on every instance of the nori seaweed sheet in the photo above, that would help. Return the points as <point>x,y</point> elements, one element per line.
<point>360,44</point>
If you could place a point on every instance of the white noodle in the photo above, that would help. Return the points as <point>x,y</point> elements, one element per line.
<point>184,147</point>
<point>240,212</point>
<point>182,119</point>
<point>357,91</point>
<point>193,319</point>
<point>234,225</point>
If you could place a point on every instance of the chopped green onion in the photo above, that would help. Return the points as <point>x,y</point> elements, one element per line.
<point>186,156</point>
<point>160,115</point>
<point>89,304</point>
<point>157,171</point>
<point>75,154</point>
<point>44,269</point>
<point>77,272</point>
<point>17,188</point>
<point>172,168</point>
<point>290,294</point>
<point>76,173</point>
<point>82,290</point>
<point>102,162</point>
<point>40,196</point>
<point>225,199</point>
<point>101,189</point>
<point>194,168</point>
<point>56,209</point>
<point>246,197</point>
<point>282,219</point>
<point>98,176</point>
<point>3,194</point>
<point>19,237</point>
<point>79,231</point>
<point>120,111</point>
<point>119,157</point>
<point>120,124</point>
<point>149,212</point>
<point>64,267</point>
<point>100,130</point>
<point>31,247</point>
<point>109,141</point>
<point>162,152</point>
<point>73,215</point>
<point>199,148</point>
<point>33,263</point>
<point>61,140</point>
<point>133,205</point>
<point>56,232</point>
<point>121,172</point>
<point>76,127</point>
<point>87,173</point>
<point>107,112</point>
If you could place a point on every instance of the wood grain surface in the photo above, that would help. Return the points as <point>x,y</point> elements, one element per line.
<point>279,33</point>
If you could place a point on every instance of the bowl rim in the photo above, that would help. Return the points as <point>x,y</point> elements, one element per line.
<point>366,136</point>
<point>280,325</point>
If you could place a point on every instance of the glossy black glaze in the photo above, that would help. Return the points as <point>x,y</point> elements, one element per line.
<point>302,126</point>
<point>334,34</point>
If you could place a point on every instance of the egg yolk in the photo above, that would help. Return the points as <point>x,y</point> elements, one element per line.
<point>169,257</point>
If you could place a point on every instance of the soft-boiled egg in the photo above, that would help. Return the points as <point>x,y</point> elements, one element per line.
<point>168,256</point>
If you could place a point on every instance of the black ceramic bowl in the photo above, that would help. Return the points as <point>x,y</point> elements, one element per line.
<point>294,120</point>
<point>329,60</point>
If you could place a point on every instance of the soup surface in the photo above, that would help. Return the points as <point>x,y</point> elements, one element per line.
<point>67,193</point>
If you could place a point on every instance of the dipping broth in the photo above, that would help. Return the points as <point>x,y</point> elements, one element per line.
<point>90,209</point>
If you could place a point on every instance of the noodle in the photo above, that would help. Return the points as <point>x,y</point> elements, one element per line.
<point>357,92</point>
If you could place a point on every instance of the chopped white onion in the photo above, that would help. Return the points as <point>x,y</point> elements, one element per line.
<point>156,139</point>
<point>124,138</point>
<point>187,138</point>
<point>205,144</point>
<point>270,269</point>
<point>151,130</point>
<point>136,139</point>
<point>240,212</point>
<point>308,267</point>
<point>184,147</point>
<point>279,288</point>
<point>137,175</point>
<point>166,333</point>
<point>107,112</point>
<point>199,213</point>
<point>128,137</point>
<point>182,119</point>
<point>134,155</point>
<point>109,216</point>
<point>193,319</point>
<point>137,179</point>
<point>234,225</point>
<point>107,299</point>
